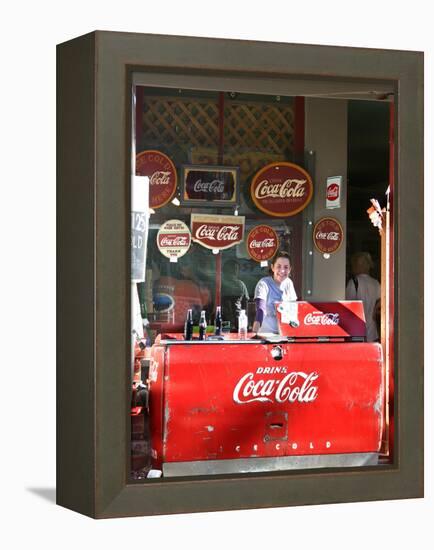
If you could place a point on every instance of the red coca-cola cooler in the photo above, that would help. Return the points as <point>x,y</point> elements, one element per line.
<point>311,397</point>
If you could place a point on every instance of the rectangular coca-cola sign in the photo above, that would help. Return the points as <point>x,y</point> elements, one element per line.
<point>217,232</point>
<point>210,185</point>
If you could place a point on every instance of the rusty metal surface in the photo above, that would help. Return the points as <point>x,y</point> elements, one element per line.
<point>231,402</point>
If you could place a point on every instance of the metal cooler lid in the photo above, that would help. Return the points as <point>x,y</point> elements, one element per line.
<point>341,319</point>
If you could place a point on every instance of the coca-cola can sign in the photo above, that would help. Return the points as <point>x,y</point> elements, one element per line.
<point>217,232</point>
<point>281,189</point>
<point>173,239</point>
<point>162,176</point>
<point>328,235</point>
<point>262,242</point>
<point>333,192</point>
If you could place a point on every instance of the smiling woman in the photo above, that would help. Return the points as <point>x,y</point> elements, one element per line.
<point>271,290</point>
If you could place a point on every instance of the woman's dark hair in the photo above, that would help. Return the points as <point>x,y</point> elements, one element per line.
<point>279,254</point>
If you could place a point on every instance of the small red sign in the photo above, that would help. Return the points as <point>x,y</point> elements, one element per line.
<point>262,242</point>
<point>162,176</point>
<point>281,189</point>
<point>333,192</point>
<point>328,235</point>
<point>217,232</point>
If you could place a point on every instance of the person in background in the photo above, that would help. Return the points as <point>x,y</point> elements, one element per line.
<point>277,287</point>
<point>234,292</point>
<point>363,287</point>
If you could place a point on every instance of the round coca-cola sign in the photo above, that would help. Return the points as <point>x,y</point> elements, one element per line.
<point>328,235</point>
<point>173,239</point>
<point>162,176</point>
<point>262,242</point>
<point>281,189</point>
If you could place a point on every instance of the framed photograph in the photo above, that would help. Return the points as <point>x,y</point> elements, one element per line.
<point>211,186</point>
<point>177,389</point>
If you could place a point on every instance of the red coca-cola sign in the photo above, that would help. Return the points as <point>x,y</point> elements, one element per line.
<point>281,189</point>
<point>217,232</point>
<point>333,192</point>
<point>162,176</point>
<point>328,235</point>
<point>262,242</point>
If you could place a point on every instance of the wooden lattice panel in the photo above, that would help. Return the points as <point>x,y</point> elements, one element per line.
<point>259,127</point>
<point>194,122</point>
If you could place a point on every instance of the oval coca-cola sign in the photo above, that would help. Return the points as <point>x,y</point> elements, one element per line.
<point>328,235</point>
<point>262,242</point>
<point>281,189</point>
<point>162,176</point>
<point>173,239</point>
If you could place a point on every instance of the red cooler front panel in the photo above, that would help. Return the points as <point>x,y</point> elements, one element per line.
<point>228,401</point>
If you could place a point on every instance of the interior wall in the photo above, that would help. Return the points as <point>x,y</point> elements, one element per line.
<point>326,135</point>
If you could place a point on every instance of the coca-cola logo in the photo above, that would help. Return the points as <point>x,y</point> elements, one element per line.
<point>173,239</point>
<point>266,243</point>
<point>281,189</point>
<point>262,242</point>
<point>333,192</point>
<point>287,189</point>
<point>319,318</point>
<point>296,386</point>
<point>209,184</point>
<point>214,186</point>
<point>217,232</point>
<point>328,235</point>
<point>162,176</point>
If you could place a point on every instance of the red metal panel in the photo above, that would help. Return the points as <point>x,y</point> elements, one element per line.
<point>225,401</point>
<point>156,401</point>
<point>326,319</point>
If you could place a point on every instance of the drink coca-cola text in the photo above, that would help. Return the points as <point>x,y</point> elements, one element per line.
<point>290,188</point>
<point>294,387</point>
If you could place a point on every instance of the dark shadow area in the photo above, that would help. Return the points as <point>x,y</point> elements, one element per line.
<point>47,493</point>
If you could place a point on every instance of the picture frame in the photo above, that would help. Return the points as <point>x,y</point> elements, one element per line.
<point>229,177</point>
<point>95,74</point>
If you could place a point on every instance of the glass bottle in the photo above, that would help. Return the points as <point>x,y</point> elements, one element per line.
<point>202,326</point>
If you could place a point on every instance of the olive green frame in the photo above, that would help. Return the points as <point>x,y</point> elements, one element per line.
<point>94,77</point>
